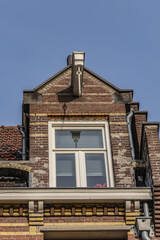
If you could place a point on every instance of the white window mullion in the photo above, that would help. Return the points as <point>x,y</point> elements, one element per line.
<point>53,139</point>
<point>104,139</point>
<point>53,184</point>
<point>52,168</point>
<point>82,165</point>
<point>109,155</point>
<point>77,166</point>
<point>107,171</point>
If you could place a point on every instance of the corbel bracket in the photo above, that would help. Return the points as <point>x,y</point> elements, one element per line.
<point>35,213</point>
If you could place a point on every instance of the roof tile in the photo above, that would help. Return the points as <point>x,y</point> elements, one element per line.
<point>10,143</point>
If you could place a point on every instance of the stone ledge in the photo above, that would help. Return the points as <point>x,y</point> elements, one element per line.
<point>151,123</point>
<point>74,195</point>
<point>86,227</point>
<point>141,112</point>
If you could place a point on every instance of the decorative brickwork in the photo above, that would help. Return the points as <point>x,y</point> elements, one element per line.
<point>88,210</point>
<point>13,210</point>
<point>33,215</point>
<point>99,101</point>
<point>15,221</point>
<point>76,116</point>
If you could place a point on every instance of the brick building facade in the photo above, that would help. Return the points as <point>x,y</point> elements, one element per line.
<point>84,164</point>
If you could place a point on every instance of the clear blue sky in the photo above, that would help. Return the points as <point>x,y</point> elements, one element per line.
<point>121,39</point>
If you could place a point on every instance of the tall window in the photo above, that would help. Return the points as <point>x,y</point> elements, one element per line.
<point>78,155</point>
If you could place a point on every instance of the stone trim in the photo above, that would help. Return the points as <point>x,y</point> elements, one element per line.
<point>86,227</point>
<point>35,213</point>
<point>74,195</point>
<point>132,210</point>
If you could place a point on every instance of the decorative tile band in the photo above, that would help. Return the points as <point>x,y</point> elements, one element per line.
<point>84,210</point>
<point>37,210</point>
<point>17,210</point>
<point>77,116</point>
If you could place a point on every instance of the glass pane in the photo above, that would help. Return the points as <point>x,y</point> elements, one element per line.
<point>95,170</point>
<point>65,170</point>
<point>79,139</point>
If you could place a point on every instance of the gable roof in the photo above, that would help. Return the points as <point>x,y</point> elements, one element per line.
<point>85,69</point>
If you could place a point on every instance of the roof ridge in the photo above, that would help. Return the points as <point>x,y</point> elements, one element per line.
<point>2,126</point>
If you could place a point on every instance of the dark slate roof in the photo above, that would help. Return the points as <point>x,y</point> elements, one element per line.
<point>10,143</point>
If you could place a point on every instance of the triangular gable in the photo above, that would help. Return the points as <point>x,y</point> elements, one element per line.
<point>40,87</point>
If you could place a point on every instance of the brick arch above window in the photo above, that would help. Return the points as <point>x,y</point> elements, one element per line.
<point>16,166</point>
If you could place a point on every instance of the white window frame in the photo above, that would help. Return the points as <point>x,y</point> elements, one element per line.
<point>80,152</point>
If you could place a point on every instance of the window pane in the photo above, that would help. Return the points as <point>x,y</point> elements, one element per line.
<point>79,139</point>
<point>65,170</point>
<point>95,170</point>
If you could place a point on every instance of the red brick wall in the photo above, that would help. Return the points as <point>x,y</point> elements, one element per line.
<point>97,97</point>
<point>151,139</point>
<point>138,119</point>
<point>21,237</point>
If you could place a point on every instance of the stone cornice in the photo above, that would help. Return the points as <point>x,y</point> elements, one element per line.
<point>74,195</point>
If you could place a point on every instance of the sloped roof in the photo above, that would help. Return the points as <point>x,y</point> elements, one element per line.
<point>10,143</point>
<point>85,69</point>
